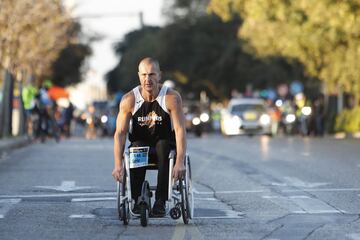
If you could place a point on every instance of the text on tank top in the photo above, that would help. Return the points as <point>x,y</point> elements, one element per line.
<point>150,120</point>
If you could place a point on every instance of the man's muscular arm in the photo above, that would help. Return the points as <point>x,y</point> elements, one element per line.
<point>174,104</point>
<point>122,127</point>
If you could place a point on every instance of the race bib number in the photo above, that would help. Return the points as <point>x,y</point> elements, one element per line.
<point>139,157</point>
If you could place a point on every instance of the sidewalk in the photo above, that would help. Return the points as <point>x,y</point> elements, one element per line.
<point>7,144</point>
<point>343,135</point>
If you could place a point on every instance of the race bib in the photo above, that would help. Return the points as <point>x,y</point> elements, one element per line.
<point>139,157</point>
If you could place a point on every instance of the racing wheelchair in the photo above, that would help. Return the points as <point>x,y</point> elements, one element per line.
<point>180,200</point>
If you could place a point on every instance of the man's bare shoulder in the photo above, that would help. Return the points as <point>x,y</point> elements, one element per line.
<point>127,101</point>
<point>173,99</point>
<point>172,93</point>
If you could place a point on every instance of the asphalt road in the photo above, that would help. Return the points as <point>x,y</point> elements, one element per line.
<point>245,188</point>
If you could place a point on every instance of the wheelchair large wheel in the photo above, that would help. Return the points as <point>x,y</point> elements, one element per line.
<point>122,202</point>
<point>187,199</point>
<point>188,191</point>
<point>184,202</point>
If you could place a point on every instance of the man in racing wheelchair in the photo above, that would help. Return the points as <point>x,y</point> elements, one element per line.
<point>157,121</point>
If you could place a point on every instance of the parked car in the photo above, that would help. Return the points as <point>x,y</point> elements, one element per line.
<point>245,116</point>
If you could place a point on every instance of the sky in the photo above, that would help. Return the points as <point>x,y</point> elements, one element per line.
<point>118,17</point>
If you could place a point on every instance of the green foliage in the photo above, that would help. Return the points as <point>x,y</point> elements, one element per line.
<point>136,45</point>
<point>66,69</point>
<point>200,55</point>
<point>323,35</point>
<point>348,121</point>
<point>32,34</point>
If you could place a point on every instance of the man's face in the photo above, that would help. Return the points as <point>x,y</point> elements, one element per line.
<point>149,76</point>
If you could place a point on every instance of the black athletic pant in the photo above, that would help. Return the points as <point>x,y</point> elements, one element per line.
<point>161,157</point>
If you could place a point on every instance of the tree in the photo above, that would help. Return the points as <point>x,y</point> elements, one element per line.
<point>199,55</point>
<point>32,33</point>
<point>67,68</point>
<point>136,45</point>
<point>323,35</point>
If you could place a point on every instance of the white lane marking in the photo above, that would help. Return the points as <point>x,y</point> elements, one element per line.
<point>93,199</point>
<point>323,190</point>
<point>228,192</point>
<point>318,212</point>
<point>306,154</point>
<point>285,191</point>
<point>219,217</point>
<point>232,213</point>
<point>303,204</point>
<point>206,199</point>
<point>107,194</point>
<point>228,214</point>
<point>354,236</point>
<point>66,186</point>
<point>278,184</point>
<point>60,195</point>
<point>299,197</point>
<point>6,205</point>
<point>292,181</point>
<point>82,216</point>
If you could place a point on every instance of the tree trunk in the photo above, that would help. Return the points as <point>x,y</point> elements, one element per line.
<point>22,117</point>
<point>340,100</point>
<point>356,99</point>
<point>6,105</point>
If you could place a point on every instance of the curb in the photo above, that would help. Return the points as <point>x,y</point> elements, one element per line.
<point>7,144</point>
<point>343,135</point>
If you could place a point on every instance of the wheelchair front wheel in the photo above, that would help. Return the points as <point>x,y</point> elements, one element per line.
<point>145,203</point>
<point>144,215</point>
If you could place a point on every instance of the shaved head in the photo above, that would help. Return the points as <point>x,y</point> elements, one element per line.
<point>148,61</point>
<point>149,75</point>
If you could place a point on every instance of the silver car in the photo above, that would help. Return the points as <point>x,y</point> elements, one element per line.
<point>246,116</point>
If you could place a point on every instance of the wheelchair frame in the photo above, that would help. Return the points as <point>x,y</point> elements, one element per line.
<point>180,200</point>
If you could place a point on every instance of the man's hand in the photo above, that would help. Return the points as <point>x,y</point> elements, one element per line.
<point>118,173</point>
<point>179,171</point>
